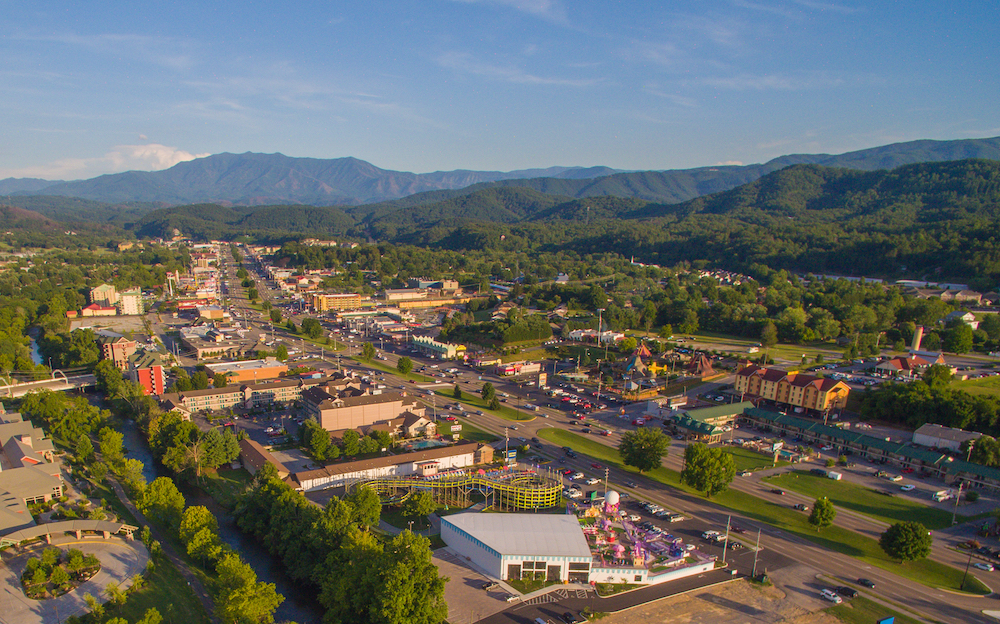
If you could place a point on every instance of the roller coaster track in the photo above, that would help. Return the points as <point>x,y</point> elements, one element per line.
<point>502,489</point>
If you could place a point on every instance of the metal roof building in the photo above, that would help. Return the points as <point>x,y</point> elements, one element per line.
<point>509,546</point>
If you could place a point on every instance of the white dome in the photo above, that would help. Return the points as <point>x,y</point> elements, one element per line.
<point>612,497</point>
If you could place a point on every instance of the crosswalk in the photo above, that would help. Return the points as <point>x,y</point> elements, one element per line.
<point>557,595</point>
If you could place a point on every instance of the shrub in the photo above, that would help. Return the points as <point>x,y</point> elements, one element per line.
<point>972,496</point>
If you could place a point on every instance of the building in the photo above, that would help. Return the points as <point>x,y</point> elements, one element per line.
<point>249,371</point>
<point>708,424</point>
<point>461,455</point>
<point>118,349</point>
<point>212,313</point>
<point>146,369</point>
<point>344,301</point>
<point>518,368</point>
<point>130,302</point>
<point>907,367</point>
<point>936,436</point>
<point>95,309</point>
<point>210,342</point>
<point>254,456</point>
<point>104,295</point>
<point>352,409</point>
<point>961,315</point>
<point>791,389</point>
<point>439,350</point>
<point>508,546</point>
<point>404,294</point>
<point>28,474</point>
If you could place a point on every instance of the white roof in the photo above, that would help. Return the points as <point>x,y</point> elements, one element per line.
<point>546,535</point>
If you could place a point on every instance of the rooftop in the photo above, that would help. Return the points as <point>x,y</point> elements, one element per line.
<point>545,535</point>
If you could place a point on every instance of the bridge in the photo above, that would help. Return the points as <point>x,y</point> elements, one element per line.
<point>58,382</point>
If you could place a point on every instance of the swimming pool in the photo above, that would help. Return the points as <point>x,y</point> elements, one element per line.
<point>425,444</point>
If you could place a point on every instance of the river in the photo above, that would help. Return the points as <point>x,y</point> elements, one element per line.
<point>300,604</point>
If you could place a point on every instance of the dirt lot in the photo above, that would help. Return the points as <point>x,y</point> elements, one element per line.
<point>732,603</point>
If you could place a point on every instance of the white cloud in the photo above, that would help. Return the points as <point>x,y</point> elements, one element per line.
<point>774,82</point>
<point>463,62</point>
<point>728,163</point>
<point>152,157</point>
<point>546,9</point>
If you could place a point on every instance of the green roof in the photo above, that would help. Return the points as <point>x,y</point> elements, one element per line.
<point>704,414</point>
<point>686,422</point>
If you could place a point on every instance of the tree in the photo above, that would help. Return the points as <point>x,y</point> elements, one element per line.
<point>419,504</point>
<point>643,448</point>
<point>312,328</point>
<point>906,541</point>
<point>281,353</point>
<point>457,392</point>
<point>132,477</point>
<point>316,439</point>
<point>488,393</point>
<point>84,449</point>
<point>366,506</point>
<point>241,599</point>
<point>59,576</point>
<point>769,335</point>
<point>958,338</point>
<point>96,608</point>
<point>351,443</point>
<point>823,514</point>
<point>151,616</point>
<point>194,519</point>
<point>404,365</point>
<point>205,545</point>
<point>667,331</point>
<point>627,345</point>
<point>252,294</point>
<point>219,380</point>
<point>708,470</point>
<point>275,316</point>
<point>162,502</point>
<point>367,352</point>
<point>408,588</point>
<point>494,404</point>
<point>111,443</point>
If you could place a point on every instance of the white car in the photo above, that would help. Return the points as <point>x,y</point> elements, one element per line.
<point>988,567</point>
<point>908,487</point>
<point>831,596</point>
<point>593,481</point>
<point>575,476</point>
<point>826,448</point>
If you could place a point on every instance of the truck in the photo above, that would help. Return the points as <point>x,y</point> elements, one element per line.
<point>836,476</point>
<point>943,495</point>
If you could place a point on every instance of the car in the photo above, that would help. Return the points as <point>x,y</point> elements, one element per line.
<point>634,517</point>
<point>826,448</point>
<point>735,546</point>
<point>631,484</point>
<point>567,471</point>
<point>745,473</point>
<point>663,513</point>
<point>569,618</point>
<point>847,592</point>
<point>866,583</point>
<point>896,478</point>
<point>593,481</point>
<point>909,487</point>
<point>736,529</point>
<point>777,491</point>
<point>800,507</point>
<point>987,567</point>
<point>576,475</point>
<point>709,535</point>
<point>831,596</point>
<point>488,585</point>
<point>596,466</point>
<point>907,470</point>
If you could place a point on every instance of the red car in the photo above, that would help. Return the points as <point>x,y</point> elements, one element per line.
<point>597,466</point>
<point>907,470</point>
<point>567,471</point>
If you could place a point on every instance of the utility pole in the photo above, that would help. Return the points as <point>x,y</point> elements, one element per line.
<point>757,550</point>
<point>725,544</point>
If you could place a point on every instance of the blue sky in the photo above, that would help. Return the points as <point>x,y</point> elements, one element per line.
<point>101,87</point>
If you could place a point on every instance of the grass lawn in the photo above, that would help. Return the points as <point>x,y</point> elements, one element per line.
<point>473,399</point>
<point>393,371</point>
<point>746,459</point>
<point>889,509</point>
<point>225,486</point>
<point>860,610</point>
<point>395,517</point>
<point>475,434</point>
<point>984,386</point>
<point>526,586</point>
<point>841,540</point>
<point>167,592</point>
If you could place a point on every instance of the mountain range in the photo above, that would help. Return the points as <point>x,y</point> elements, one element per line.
<point>253,179</point>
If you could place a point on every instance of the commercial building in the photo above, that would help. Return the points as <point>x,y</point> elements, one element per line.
<point>439,350</point>
<point>104,295</point>
<point>246,396</point>
<point>118,349</point>
<point>249,371</point>
<point>507,546</point>
<point>28,474</point>
<point>429,461</point>
<point>210,342</point>
<point>708,424</point>
<point>791,389</point>
<point>335,409</point>
<point>255,456</point>
<point>145,368</point>
<point>95,309</point>
<point>936,436</point>
<point>344,301</point>
<point>130,302</point>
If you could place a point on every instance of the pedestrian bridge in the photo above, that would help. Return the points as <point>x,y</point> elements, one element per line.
<point>99,528</point>
<point>59,382</point>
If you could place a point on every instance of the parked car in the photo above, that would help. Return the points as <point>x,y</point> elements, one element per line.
<point>593,481</point>
<point>831,596</point>
<point>576,475</point>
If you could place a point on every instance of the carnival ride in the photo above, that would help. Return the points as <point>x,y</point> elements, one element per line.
<point>502,489</point>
